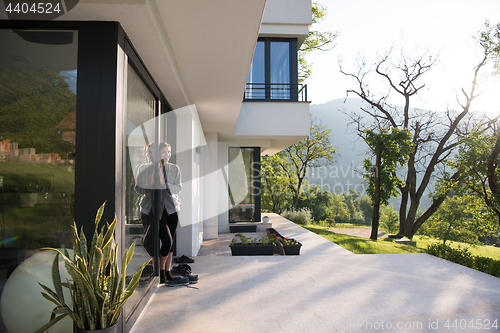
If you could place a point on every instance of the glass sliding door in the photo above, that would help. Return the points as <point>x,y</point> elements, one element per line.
<point>256,87</point>
<point>244,184</point>
<point>38,71</point>
<point>140,130</point>
<point>280,70</point>
<point>273,73</point>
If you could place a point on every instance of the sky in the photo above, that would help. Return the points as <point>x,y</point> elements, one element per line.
<point>444,27</point>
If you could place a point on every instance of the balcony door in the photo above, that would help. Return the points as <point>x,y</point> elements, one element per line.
<point>273,72</point>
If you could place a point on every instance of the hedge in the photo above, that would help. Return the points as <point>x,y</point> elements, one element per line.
<point>463,257</point>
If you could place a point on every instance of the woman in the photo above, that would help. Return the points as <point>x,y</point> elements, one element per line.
<point>166,178</point>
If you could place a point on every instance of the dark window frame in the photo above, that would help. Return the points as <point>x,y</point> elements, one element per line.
<point>256,176</point>
<point>293,70</point>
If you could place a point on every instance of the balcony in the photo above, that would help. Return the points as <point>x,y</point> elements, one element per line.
<point>275,92</point>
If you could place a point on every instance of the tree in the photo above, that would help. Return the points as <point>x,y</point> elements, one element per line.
<point>313,151</point>
<point>276,195</point>
<point>478,162</point>
<point>389,219</point>
<point>389,149</point>
<point>434,134</point>
<point>292,163</point>
<point>316,40</point>
<point>351,199</point>
<point>460,218</point>
<point>319,202</point>
<point>366,208</point>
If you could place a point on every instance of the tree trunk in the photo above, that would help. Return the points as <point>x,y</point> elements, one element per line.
<point>376,201</point>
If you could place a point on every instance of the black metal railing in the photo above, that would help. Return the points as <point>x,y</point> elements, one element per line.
<point>276,92</point>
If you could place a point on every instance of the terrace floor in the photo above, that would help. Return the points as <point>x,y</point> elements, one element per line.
<point>324,289</point>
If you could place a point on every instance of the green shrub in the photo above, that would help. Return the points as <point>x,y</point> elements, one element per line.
<point>465,258</point>
<point>300,216</point>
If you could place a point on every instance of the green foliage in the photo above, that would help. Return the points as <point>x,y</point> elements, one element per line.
<point>360,245</point>
<point>460,218</point>
<point>477,162</point>
<point>97,288</point>
<point>366,209</point>
<point>351,200</point>
<point>324,205</point>
<point>284,173</point>
<point>276,194</point>
<point>316,40</point>
<point>389,220</point>
<point>244,240</point>
<point>465,258</point>
<point>300,216</point>
<point>289,241</point>
<point>490,40</point>
<point>394,148</point>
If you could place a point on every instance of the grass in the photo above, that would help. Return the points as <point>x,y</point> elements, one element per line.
<point>361,245</point>
<point>488,251</point>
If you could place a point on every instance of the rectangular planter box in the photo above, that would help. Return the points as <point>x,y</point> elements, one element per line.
<point>289,250</point>
<point>252,250</point>
<point>292,250</point>
<point>243,228</point>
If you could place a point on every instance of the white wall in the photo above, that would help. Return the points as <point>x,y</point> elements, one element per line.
<point>210,190</point>
<point>223,201</point>
<point>286,18</point>
<point>189,137</point>
<point>287,12</point>
<point>273,119</point>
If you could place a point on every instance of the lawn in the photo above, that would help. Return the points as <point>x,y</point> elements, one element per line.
<point>361,245</point>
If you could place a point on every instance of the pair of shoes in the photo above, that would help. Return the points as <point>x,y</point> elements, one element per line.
<point>182,269</point>
<point>184,260</point>
<point>178,281</point>
<point>185,270</point>
<point>163,278</point>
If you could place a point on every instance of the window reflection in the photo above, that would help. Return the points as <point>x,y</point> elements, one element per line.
<point>280,70</point>
<point>37,145</point>
<point>269,77</point>
<point>242,184</point>
<point>140,130</point>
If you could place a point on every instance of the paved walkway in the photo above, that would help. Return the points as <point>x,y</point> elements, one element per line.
<point>326,289</point>
<point>358,232</point>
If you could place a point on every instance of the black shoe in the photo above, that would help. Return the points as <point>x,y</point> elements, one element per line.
<point>178,281</point>
<point>184,260</point>
<point>192,278</point>
<point>182,269</point>
<point>163,278</point>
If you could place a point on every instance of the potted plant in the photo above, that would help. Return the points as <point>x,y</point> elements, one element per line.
<point>285,246</point>
<point>97,288</point>
<point>265,219</point>
<point>249,246</point>
<point>289,246</point>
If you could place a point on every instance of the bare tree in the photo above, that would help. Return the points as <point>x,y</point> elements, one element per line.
<point>434,134</point>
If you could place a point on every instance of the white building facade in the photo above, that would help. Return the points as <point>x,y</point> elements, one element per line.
<point>217,80</point>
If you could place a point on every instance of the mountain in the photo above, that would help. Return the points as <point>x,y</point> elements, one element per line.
<point>345,173</point>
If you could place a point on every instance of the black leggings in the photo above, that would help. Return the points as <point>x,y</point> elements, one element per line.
<point>168,225</point>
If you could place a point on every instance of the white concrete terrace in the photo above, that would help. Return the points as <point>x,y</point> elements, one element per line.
<point>325,289</point>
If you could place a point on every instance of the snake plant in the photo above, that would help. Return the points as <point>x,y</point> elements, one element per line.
<point>97,288</point>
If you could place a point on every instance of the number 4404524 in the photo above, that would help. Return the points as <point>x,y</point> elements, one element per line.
<point>477,324</point>
<point>35,8</point>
